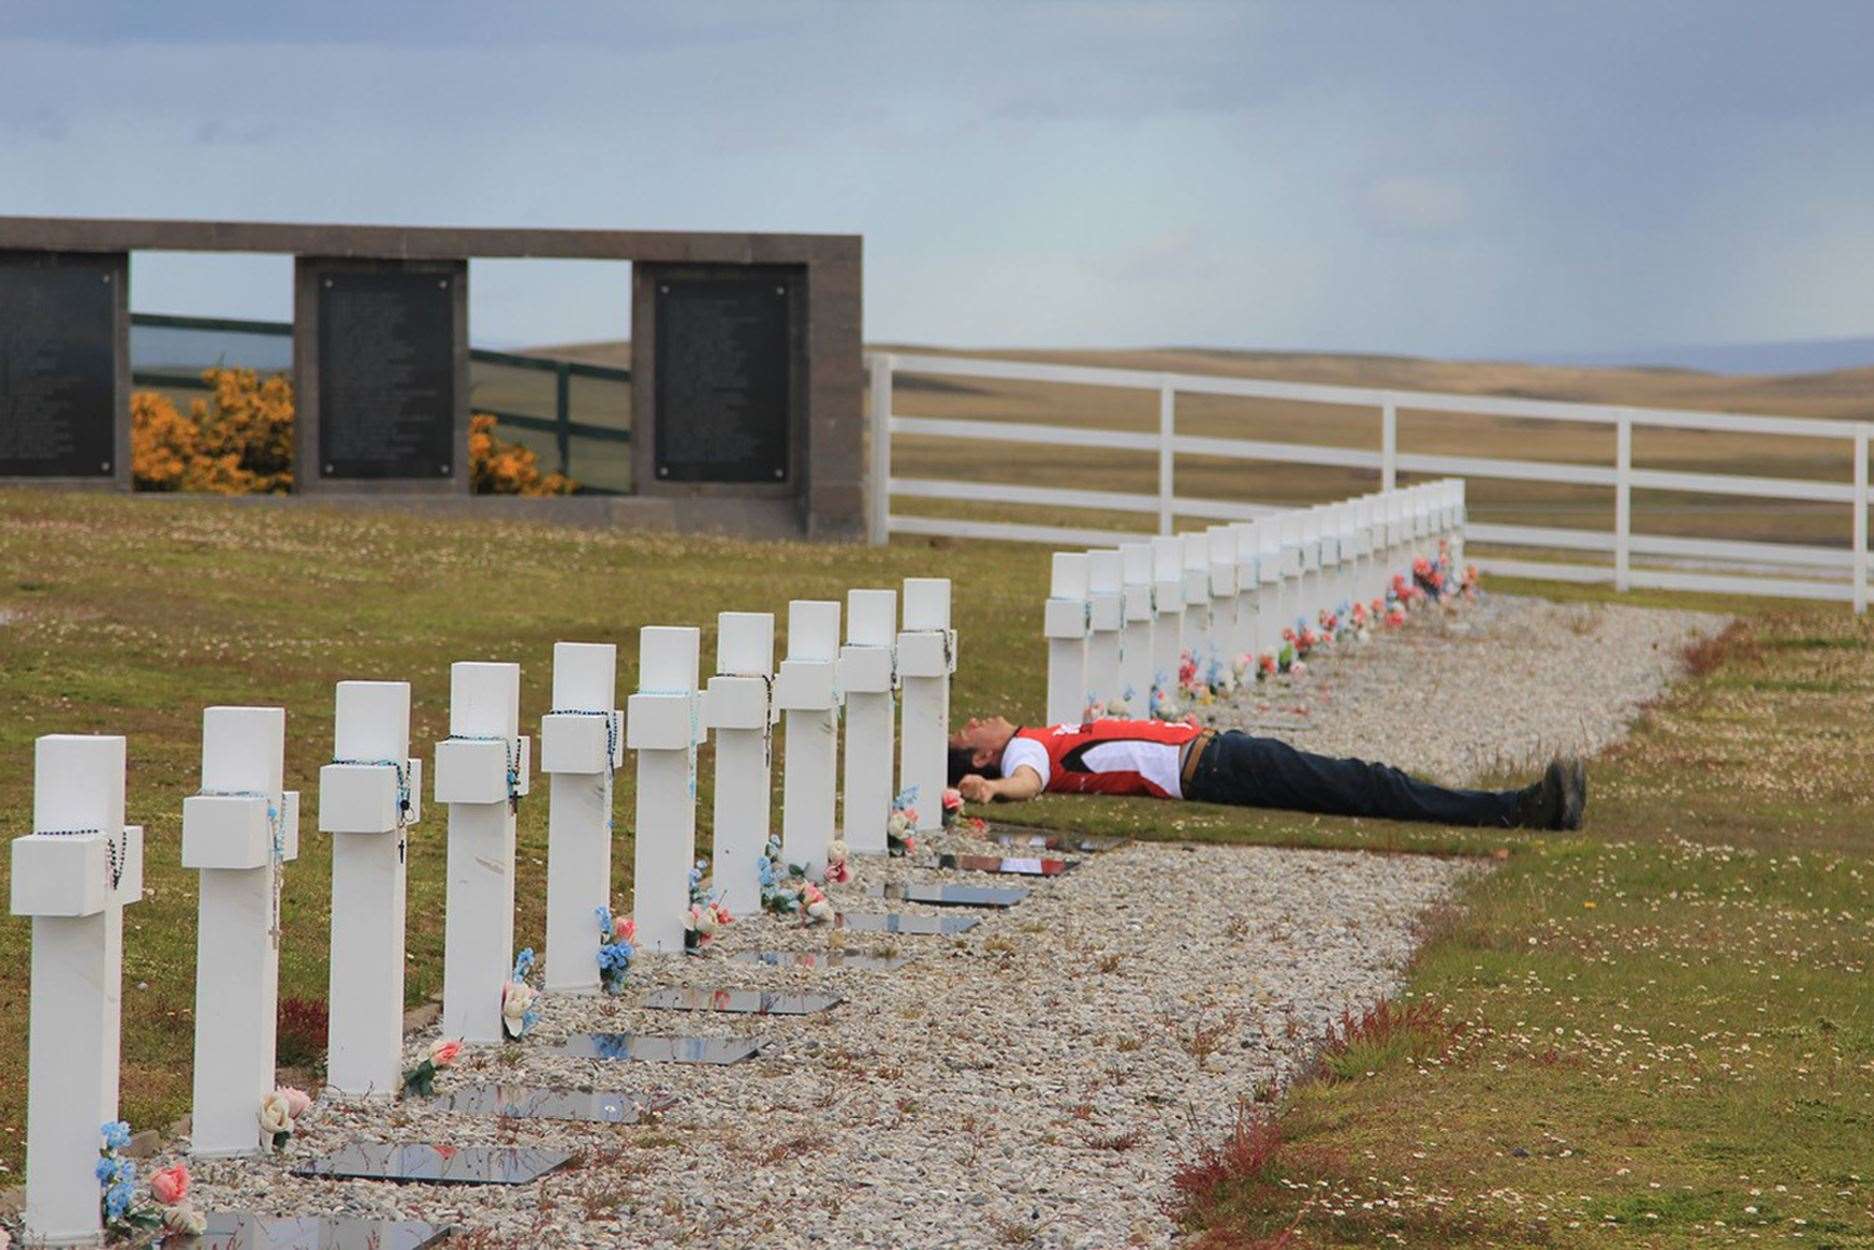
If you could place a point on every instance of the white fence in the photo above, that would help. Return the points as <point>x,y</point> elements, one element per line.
<point>1732,567</point>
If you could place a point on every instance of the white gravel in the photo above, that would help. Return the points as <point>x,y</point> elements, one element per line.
<point>1501,683</point>
<point>1029,1083</point>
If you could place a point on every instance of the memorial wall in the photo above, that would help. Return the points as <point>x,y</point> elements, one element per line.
<point>746,361</point>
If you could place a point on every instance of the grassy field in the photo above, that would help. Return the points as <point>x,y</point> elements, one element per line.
<point>1633,1034</point>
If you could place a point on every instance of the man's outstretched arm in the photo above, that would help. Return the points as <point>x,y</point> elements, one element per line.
<point>1025,784</point>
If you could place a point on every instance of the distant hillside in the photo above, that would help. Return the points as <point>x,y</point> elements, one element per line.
<point>1791,356</point>
<point>1845,393</point>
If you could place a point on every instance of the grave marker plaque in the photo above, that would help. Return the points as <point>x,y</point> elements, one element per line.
<point>63,355</point>
<point>387,374</point>
<point>724,377</point>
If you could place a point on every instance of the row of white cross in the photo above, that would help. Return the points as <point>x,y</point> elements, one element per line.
<point>1119,621</point>
<point>82,864</point>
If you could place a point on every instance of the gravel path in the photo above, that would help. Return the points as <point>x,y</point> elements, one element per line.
<point>1031,1082</point>
<point>1503,682</point>
<point>1035,1081</point>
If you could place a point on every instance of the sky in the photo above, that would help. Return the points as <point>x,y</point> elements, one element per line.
<point>1478,179</point>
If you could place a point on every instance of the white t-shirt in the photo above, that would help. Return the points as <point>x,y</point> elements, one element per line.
<point>1157,762</point>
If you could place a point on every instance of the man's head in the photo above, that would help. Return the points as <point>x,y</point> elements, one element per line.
<point>978,746</point>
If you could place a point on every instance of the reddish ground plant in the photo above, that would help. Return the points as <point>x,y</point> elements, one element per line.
<point>301,1032</point>
<point>1705,655</point>
<point>1244,1159</point>
<point>1385,1033</point>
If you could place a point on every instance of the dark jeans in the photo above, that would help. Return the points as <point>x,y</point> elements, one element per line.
<point>1247,771</point>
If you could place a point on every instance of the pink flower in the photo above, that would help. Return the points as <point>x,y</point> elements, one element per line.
<point>1298,668</point>
<point>953,799</point>
<point>1395,618</point>
<point>910,815</point>
<point>297,1100</point>
<point>722,913</point>
<point>1269,664</point>
<point>1288,633</point>
<point>443,1052</point>
<point>170,1185</point>
<point>838,872</point>
<point>625,929</point>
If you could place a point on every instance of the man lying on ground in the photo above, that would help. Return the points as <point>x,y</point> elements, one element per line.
<point>994,760</point>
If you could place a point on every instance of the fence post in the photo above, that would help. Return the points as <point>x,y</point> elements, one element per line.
<point>1623,497</point>
<point>879,528</point>
<point>1860,519</point>
<point>563,415</point>
<point>1167,425</point>
<point>1388,445</point>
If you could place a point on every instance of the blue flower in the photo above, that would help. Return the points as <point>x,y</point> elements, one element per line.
<point>105,1170</point>
<point>116,1135</point>
<point>523,964</point>
<point>117,1200</point>
<point>605,920</point>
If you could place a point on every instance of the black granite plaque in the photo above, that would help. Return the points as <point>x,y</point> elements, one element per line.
<point>951,895</point>
<point>872,922</point>
<point>723,379</point>
<point>643,1049</point>
<point>744,1002</point>
<point>435,1165</point>
<point>1007,865</point>
<point>523,1102</point>
<point>1085,844</point>
<point>58,364</point>
<point>820,959</point>
<point>386,375</point>
<point>248,1230</point>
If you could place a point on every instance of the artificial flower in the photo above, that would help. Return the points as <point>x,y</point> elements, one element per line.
<point>276,1117</point>
<point>517,1007</point>
<point>443,1051</point>
<point>171,1185</point>
<point>184,1221</point>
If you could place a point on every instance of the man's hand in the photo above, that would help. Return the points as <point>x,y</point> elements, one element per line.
<point>976,789</point>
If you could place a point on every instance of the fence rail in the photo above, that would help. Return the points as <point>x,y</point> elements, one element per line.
<point>1699,564</point>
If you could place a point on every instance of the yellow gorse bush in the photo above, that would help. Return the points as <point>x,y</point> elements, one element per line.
<point>240,442</point>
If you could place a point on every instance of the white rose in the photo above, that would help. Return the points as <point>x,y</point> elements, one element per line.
<point>706,921</point>
<point>821,910</point>
<point>514,1006</point>
<point>898,825</point>
<point>276,1115</point>
<point>836,851</point>
<point>182,1218</point>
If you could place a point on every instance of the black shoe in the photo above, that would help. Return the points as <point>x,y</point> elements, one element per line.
<point>1542,805</point>
<point>1574,792</point>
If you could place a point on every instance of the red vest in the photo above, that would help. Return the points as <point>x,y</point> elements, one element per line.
<point>1066,746</point>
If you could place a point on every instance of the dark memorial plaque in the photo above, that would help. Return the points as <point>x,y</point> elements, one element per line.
<point>744,1002</point>
<point>1086,844</point>
<point>386,375</point>
<point>950,895</point>
<point>929,926</point>
<point>58,364</point>
<point>819,960</point>
<point>434,1165</point>
<point>724,384</point>
<point>1007,865</point>
<point>247,1230</point>
<point>642,1048</point>
<point>524,1102</point>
